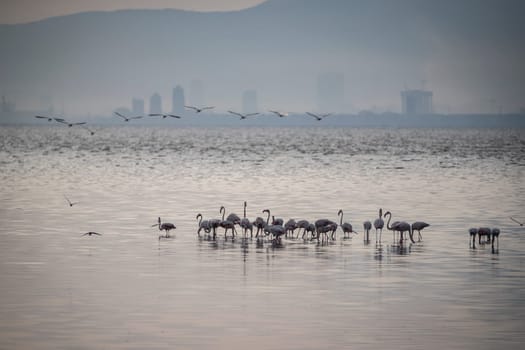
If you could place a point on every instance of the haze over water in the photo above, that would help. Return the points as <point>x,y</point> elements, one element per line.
<point>127,289</point>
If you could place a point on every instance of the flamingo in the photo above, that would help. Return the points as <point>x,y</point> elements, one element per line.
<point>494,233</point>
<point>319,117</point>
<point>401,226</point>
<point>367,226</point>
<point>243,116</point>
<point>484,231</point>
<point>164,116</point>
<point>277,221</point>
<point>321,223</point>
<point>379,224</point>
<point>165,226</point>
<point>203,225</point>
<point>49,119</point>
<point>91,233</point>
<point>280,114</point>
<point>419,225</point>
<point>302,224</point>
<point>69,202</point>
<point>346,227</point>
<point>516,221</point>
<point>245,223</point>
<point>290,227</point>
<point>473,232</point>
<point>198,110</point>
<point>227,224</point>
<point>127,119</point>
<point>332,227</point>
<point>70,124</point>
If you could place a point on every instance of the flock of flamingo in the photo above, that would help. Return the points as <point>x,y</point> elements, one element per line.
<point>242,116</point>
<point>320,230</point>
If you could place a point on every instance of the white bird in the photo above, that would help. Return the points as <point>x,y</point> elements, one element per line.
<point>243,116</point>
<point>164,116</point>
<point>165,226</point>
<point>319,117</point>
<point>91,233</point>
<point>198,110</point>
<point>127,119</point>
<point>419,225</point>
<point>280,114</point>
<point>379,224</point>
<point>69,202</point>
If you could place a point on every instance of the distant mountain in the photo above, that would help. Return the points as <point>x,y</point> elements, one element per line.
<point>467,50</point>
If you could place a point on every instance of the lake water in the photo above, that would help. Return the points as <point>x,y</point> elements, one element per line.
<point>129,290</point>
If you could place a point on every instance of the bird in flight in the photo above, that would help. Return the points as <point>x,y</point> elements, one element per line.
<point>61,120</point>
<point>243,116</point>
<point>516,221</point>
<point>127,119</point>
<point>69,202</point>
<point>91,233</point>
<point>319,117</point>
<point>49,119</point>
<point>198,110</point>
<point>164,116</point>
<point>280,114</point>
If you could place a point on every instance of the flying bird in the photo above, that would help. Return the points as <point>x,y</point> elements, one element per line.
<point>280,114</point>
<point>91,233</point>
<point>61,120</point>
<point>49,119</point>
<point>69,202</point>
<point>164,116</point>
<point>127,119</point>
<point>319,117</point>
<point>516,221</point>
<point>198,110</point>
<point>243,116</point>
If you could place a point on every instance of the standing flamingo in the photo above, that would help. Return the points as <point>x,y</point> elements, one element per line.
<point>419,225</point>
<point>401,226</point>
<point>379,224</point>
<point>203,225</point>
<point>367,226</point>
<point>245,223</point>
<point>346,227</point>
<point>166,226</point>
<point>473,232</point>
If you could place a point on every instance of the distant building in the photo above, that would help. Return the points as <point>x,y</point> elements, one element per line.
<point>249,101</point>
<point>137,106</point>
<point>197,93</point>
<point>155,103</point>
<point>331,92</point>
<point>416,102</point>
<point>178,100</point>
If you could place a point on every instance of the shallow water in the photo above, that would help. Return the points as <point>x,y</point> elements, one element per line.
<point>127,289</point>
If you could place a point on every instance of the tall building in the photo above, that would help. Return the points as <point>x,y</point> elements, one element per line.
<point>137,106</point>
<point>197,93</point>
<point>331,92</point>
<point>249,102</point>
<point>178,100</point>
<point>416,102</point>
<point>155,103</point>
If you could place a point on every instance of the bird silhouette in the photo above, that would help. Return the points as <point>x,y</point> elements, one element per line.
<point>243,116</point>
<point>165,226</point>
<point>516,221</point>
<point>280,114</point>
<point>367,226</point>
<point>345,226</point>
<point>91,233</point>
<point>319,117</point>
<point>419,225</point>
<point>49,119</point>
<point>127,119</point>
<point>164,116</point>
<point>197,109</point>
<point>70,124</point>
<point>69,202</point>
<point>379,224</point>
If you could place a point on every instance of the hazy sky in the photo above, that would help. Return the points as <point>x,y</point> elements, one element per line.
<point>22,11</point>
